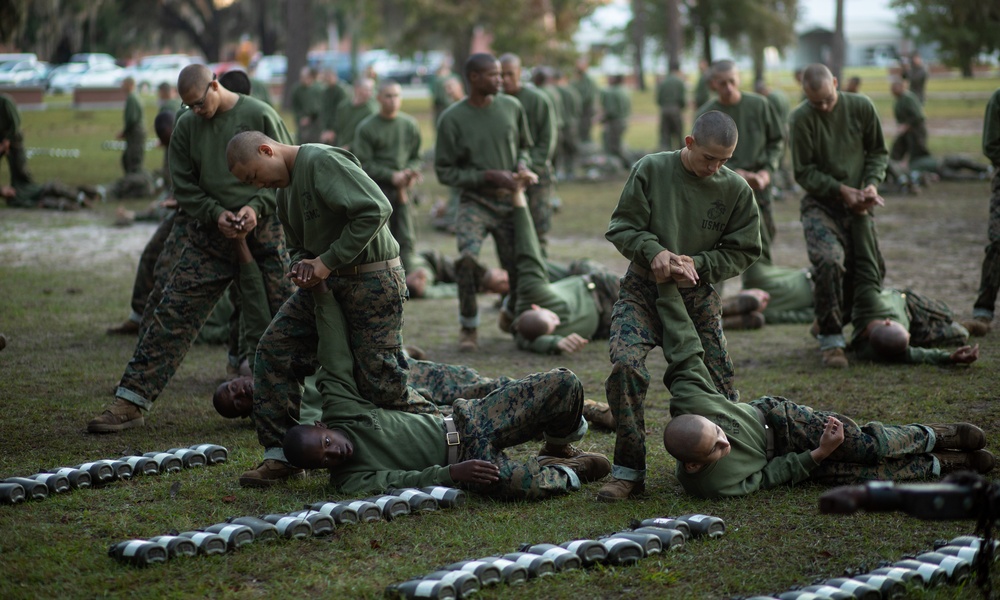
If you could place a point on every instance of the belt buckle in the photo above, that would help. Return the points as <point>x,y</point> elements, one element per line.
<point>452,438</point>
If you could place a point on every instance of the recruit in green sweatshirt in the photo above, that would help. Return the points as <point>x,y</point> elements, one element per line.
<point>907,109</point>
<point>762,133</point>
<point>872,303</point>
<point>991,129</point>
<point>790,289</point>
<point>844,146</point>
<point>570,298</point>
<point>392,448</point>
<point>615,103</point>
<point>671,93</point>
<point>349,115</point>
<point>746,468</point>
<point>333,210</point>
<point>10,119</point>
<point>333,96</point>
<point>472,140</point>
<point>542,125</point>
<point>133,117</point>
<point>663,206</point>
<point>203,186</point>
<point>385,146</point>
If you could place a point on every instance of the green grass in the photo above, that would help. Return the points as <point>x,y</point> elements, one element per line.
<point>59,369</point>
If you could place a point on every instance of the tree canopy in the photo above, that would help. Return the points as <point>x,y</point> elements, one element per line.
<point>962,28</point>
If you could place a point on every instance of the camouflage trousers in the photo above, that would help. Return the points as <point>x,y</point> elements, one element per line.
<point>539,198</point>
<point>569,148</point>
<point>135,153</point>
<point>614,131</point>
<point>133,185</point>
<point>222,325</point>
<point>636,328</point>
<point>477,218</point>
<point>989,281</point>
<point>932,322</point>
<point>444,384</point>
<point>831,252</point>
<point>548,403</point>
<point>607,286</point>
<point>870,451</point>
<point>401,225</point>
<point>671,128</point>
<point>292,348</point>
<point>204,266</point>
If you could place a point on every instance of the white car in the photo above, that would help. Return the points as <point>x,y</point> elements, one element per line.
<point>151,71</point>
<point>271,69</point>
<point>23,73</point>
<point>70,76</point>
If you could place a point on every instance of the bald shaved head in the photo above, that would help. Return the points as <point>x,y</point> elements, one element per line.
<point>816,76</point>
<point>683,435</point>
<point>193,77</point>
<point>243,147</point>
<point>716,128</point>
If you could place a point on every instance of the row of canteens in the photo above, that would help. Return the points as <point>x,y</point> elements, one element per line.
<point>99,472</point>
<point>316,520</point>
<point>645,538</point>
<point>950,562</point>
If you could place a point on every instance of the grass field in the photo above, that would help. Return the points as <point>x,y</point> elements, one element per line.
<point>65,277</point>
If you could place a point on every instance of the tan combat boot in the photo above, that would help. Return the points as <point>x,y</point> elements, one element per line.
<point>122,414</point>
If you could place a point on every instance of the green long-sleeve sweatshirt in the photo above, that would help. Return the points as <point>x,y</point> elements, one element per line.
<point>133,126</point>
<point>203,186</point>
<point>332,210</point>
<point>991,129</point>
<point>542,124</point>
<point>663,206</point>
<point>790,289</point>
<point>907,109</point>
<point>672,92</point>
<point>746,468</point>
<point>472,140</point>
<point>570,298</point>
<point>872,303</point>
<point>10,119</point>
<point>333,96</point>
<point>761,132</point>
<point>844,146</point>
<point>385,146</point>
<point>615,103</point>
<point>392,448</point>
<point>349,115</point>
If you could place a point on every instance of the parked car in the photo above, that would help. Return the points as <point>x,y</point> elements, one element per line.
<point>151,71</point>
<point>271,69</point>
<point>334,61</point>
<point>23,73</point>
<point>70,76</point>
<point>92,58</point>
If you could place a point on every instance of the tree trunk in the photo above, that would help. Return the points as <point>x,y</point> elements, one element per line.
<point>639,41</point>
<point>297,43</point>
<point>837,52</point>
<point>268,36</point>
<point>706,42</point>
<point>674,34</point>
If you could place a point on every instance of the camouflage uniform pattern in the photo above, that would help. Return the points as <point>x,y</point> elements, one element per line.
<point>989,282</point>
<point>549,403</point>
<point>146,274</point>
<point>444,384</point>
<point>372,304</point>
<point>636,328</point>
<point>830,248</point>
<point>202,265</point>
<point>540,206</point>
<point>871,451</point>
<point>478,216</point>
<point>133,185</point>
<point>932,322</point>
